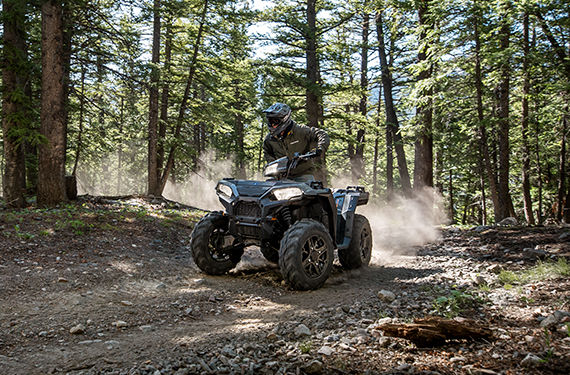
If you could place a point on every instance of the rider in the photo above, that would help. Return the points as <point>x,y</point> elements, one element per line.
<point>286,138</point>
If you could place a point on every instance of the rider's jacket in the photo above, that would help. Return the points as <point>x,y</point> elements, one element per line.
<point>297,139</point>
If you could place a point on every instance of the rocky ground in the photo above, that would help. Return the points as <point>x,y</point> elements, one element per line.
<point>109,286</point>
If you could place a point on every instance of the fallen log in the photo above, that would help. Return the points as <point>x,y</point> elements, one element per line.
<point>433,330</point>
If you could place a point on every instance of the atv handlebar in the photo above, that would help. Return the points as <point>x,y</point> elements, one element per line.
<point>309,155</point>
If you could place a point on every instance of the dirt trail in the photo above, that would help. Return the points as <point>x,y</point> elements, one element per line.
<point>127,298</point>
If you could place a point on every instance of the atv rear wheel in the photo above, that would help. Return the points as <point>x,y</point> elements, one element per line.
<point>214,250</point>
<point>359,251</point>
<point>306,255</point>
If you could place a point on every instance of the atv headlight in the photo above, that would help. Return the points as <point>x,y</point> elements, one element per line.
<point>224,190</point>
<point>287,193</point>
<point>271,170</point>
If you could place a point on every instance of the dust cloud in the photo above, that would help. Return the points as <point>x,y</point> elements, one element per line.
<point>198,189</point>
<point>397,226</point>
<point>403,223</point>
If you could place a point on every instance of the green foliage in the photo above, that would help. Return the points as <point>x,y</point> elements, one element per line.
<point>455,303</point>
<point>241,70</point>
<point>541,271</point>
<point>306,346</point>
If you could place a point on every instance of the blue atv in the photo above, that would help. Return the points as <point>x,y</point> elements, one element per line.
<point>295,224</point>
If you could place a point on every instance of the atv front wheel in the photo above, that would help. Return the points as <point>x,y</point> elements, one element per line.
<point>306,255</point>
<point>214,250</point>
<point>269,253</point>
<point>359,251</point>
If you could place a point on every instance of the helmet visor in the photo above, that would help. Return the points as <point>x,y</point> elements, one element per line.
<point>273,121</point>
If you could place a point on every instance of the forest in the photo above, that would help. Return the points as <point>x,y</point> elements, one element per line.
<point>125,97</point>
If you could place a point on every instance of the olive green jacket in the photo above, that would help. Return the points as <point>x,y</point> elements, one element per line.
<point>299,139</point>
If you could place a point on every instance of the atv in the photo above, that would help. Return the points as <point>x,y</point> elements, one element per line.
<point>295,224</point>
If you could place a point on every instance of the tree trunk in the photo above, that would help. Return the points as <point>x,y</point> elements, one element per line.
<point>81,119</point>
<point>524,126</point>
<point>120,147</point>
<point>312,91</point>
<point>164,99</point>
<point>358,168</point>
<point>391,116</point>
<point>562,168</point>
<point>483,140</point>
<point>423,159</point>
<point>503,210</point>
<point>239,128</point>
<point>14,72</point>
<point>153,172</point>
<point>375,189</point>
<point>51,181</point>
<point>451,207</point>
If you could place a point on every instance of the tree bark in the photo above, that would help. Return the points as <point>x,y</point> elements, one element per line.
<point>391,116</point>
<point>423,157</point>
<point>153,173</point>
<point>164,99</point>
<point>562,168</point>
<point>51,181</point>
<point>239,131</point>
<point>524,126</point>
<point>14,77</point>
<point>312,91</point>
<point>81,119</point>
<point>358,167</point>
<point>504,201</point>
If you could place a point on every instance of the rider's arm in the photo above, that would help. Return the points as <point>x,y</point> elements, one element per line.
<point>268,151</point>
<point>321,138</point>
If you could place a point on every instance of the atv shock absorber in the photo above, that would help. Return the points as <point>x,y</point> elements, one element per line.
<point>286,215</point>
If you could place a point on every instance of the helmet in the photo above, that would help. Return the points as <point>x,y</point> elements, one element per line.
<point>278,118</point>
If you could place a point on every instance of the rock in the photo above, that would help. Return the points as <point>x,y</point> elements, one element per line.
<point>326,350</point>
<point>383,321</point>
<point>271,336</point>
<point>457,359</point>
<point>549,321</point>
<point>120,324</point>
<point>560,315</point>
<point>384,341</point>
<point>535,253</point>
<point>229,350</point>
<point>478,280</point>
<point>302,330</point>
<point>386,296</point>
<point>495,268</point>
<point>508,221</point>
<point>77,330</point>
<point>314,367</point>
<point>531,360</point>
<point>529,339</point>
<point>564,236</point>
<point>404,367</point>
<point>126,303</point>
<point>146,328</point>
<point>481,228</point>
<point>332,338</point>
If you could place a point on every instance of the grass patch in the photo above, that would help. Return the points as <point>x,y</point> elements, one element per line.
<point>305,347</point>
<point>541,271</point>
<point>455,303</point>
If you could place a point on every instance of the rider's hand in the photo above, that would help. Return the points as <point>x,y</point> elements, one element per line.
<point>317,151</point>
